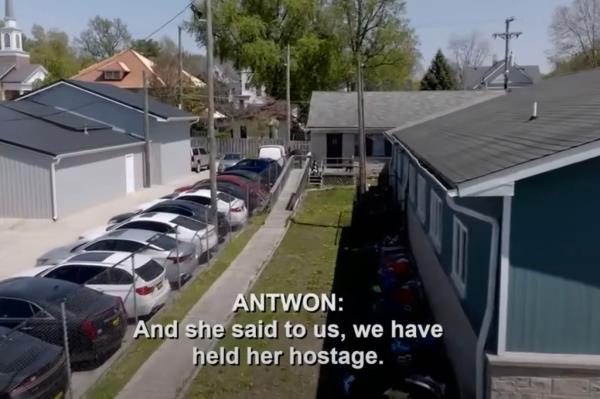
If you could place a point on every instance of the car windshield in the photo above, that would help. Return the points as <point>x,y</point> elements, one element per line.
<point>232,157</point>
<point>189,223</point>
<point>164,242</point>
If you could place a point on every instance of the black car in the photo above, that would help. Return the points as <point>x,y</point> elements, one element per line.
<point>267,168</point>
<point>121,217</point>
<point>31,368</point>
<point>96,323</point>
<point>191,210</point>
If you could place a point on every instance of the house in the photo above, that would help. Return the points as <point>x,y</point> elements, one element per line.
<point>501,201</point>
<point>55,163</point>
<point>268,120</point>
<point>169,127</point>
<point>17,74</point>
<point>333,126</point>
<point>126,70</point>
<point>492,77</point>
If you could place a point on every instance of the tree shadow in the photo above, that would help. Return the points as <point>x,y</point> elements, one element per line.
<point>356,280</point>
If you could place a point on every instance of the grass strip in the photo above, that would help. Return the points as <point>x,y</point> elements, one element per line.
<point>304,262</point>
<point>140,350</point>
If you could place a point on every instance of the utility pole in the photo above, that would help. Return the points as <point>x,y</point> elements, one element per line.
<point>180,69</point>
<point>211,114</point>
<point>506,36</point>
<point>148,152</point>
<point>288,98</point>
<point>362,170</point>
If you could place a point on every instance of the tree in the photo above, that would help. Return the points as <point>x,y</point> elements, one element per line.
<point>440,75</point>
<point>575,34</point>
<point>148,48</point>
<point>104,37</point>
<point>469,50</point>
<point>377,33</point>
<point>52,50</point>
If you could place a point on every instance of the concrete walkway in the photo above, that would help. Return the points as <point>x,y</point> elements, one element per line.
<point>168,371</point>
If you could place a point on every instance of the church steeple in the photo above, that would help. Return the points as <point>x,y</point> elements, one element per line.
<point>11,38</point>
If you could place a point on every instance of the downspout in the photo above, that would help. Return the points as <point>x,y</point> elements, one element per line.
<point>482,337</point>
<point>53,164</point>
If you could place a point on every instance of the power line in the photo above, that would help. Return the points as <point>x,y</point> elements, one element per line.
<point>168,22</point>
<point>506,36</point>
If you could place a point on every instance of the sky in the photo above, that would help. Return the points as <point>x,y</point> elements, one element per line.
<point>434,21</point>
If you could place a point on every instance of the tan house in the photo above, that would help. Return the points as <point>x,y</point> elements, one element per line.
<point>126,70</point>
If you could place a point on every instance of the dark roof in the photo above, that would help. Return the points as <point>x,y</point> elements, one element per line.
<point>132,99</point>
<point>38,289</point>
<point>52,132</point>
<point>519,75</point>
<point>21,73</point>
<point>498,134</point>
<point>386,110</point>
<point>5,67</point>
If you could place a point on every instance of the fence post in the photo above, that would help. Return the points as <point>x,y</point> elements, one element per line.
<point>63,313</point>
<point>207,240</point>
<point>177,254</point>
<point>230,227</point>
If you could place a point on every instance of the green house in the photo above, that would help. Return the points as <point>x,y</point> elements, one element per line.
<point>502,202</point>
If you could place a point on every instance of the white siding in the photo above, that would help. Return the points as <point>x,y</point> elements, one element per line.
<point>24,183</point>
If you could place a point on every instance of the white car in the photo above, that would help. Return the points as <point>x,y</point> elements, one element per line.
<point>233,208</point>
<point>275,152</point>
<point>112,273</point>
<point>185,229</point>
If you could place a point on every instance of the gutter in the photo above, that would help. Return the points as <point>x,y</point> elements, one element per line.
<point>482,337</point>
<point>57,159</point>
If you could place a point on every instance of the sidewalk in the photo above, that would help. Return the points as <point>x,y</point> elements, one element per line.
<point>170,368</point>
<point>22,241</point>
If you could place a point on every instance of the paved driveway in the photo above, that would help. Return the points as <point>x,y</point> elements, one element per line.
<point>22,241</point>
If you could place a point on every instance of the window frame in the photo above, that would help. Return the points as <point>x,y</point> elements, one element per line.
<point>412,182</point>
<point>436,220</point>
<point>421,198</point>
<point>460,256</point>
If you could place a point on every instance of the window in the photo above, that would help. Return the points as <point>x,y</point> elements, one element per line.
<point>188,223</point>
<point>111,276</point>
<point>128,246</point>
<point>243,132</point>
<point>412,180</point>
<point>460,251</point>
<point>104,245</point>
<point>15,309</point>
<point>225,197</point>
<point>173,210</point>
<point>7,40</point>
<point>150,271</point>
<point>150,226</point>
<point>421,198</point>
<point>18,41</point>
<point>113,75</point>
<point>164,243</point>
<point>435,220</point>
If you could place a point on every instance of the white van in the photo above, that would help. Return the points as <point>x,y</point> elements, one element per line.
<point>274,152</point>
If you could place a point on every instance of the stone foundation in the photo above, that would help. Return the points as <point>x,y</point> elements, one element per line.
<point>537,377</point>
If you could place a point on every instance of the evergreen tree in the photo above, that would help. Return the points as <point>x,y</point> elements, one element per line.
<point>440,75</point>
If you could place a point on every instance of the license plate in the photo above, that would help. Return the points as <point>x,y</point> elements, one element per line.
<point>159,286</point>
<point>116,321</point>
<point>60,395</point>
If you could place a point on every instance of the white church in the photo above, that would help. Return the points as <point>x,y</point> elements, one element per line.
<point>17,74</point>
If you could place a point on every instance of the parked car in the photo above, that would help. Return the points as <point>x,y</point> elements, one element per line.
<point>229,159</point>
<point>177,257</point>
<point>42,371</point>
<point>268,169</point>
<point>96,323</point>
<point>233,208</point>
<point>183,228</point>
<point>274,152</point>
<point>249,175</point>
<point>200,159</point>
<point>253,194</point>
<point>111,273</point>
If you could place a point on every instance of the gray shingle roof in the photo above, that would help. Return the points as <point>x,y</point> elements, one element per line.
<point>132,99</point>
<point>386,110</point>
<point>519,75</point>
<point>5,67</point>
<point>21,73</point>
<point>498,134</point>
<point>53,132</point>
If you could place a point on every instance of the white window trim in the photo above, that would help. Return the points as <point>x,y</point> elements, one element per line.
<point>436,218</point>
<point>421,198</point>
<point>459,282</point>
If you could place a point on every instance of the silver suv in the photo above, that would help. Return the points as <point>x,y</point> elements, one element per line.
<point>200,159</point>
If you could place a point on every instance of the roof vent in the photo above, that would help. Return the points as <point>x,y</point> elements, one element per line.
<point>534,114</point>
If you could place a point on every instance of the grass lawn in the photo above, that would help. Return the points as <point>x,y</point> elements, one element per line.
<point>125,367</point>
<point>304,262</point>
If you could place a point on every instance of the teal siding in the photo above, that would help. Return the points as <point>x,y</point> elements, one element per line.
<point>480,232</point>
<point>554,300</point>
